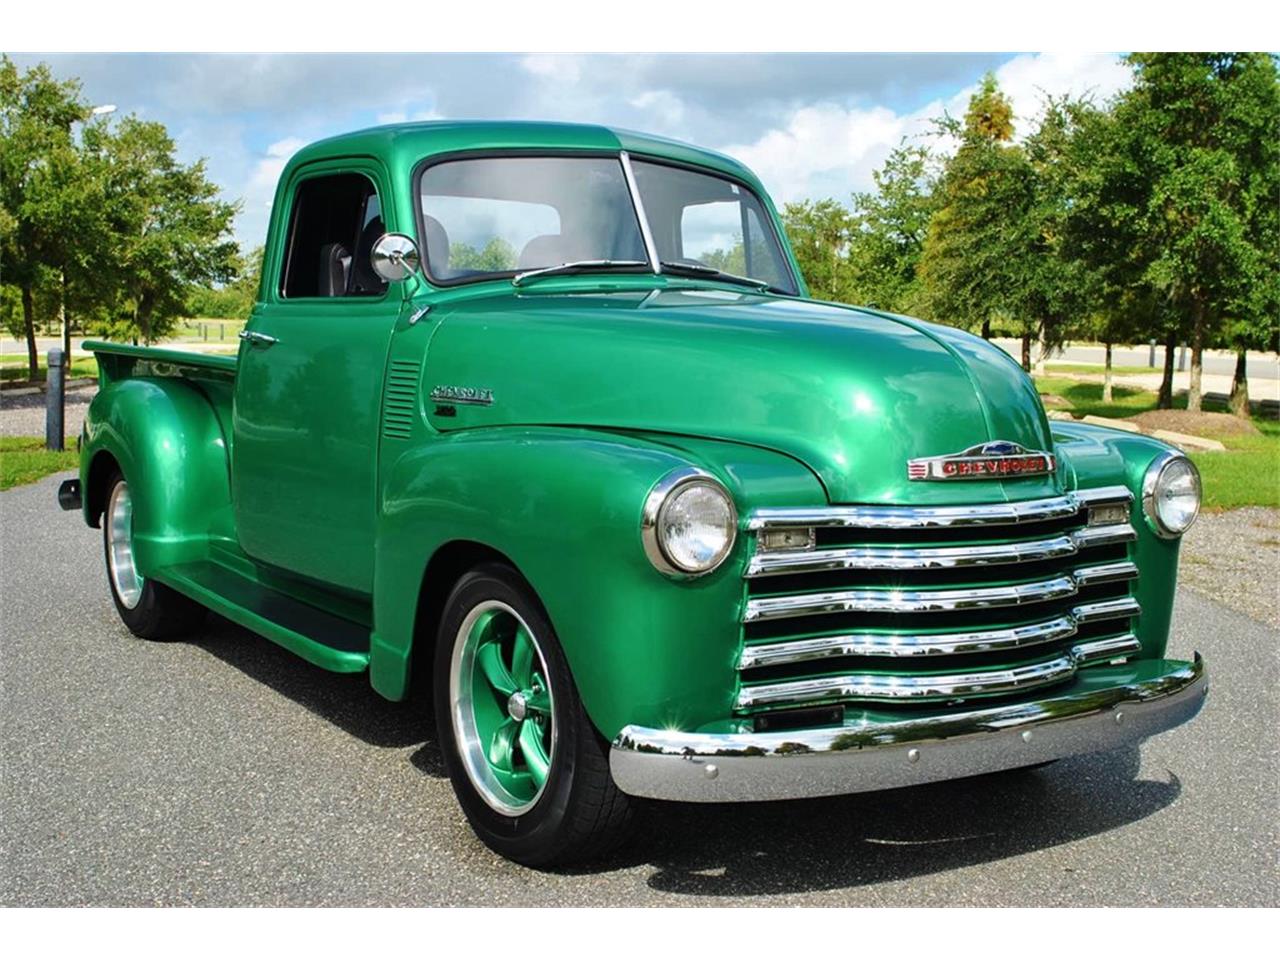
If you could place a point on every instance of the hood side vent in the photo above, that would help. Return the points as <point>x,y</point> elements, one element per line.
<point>400,404</point>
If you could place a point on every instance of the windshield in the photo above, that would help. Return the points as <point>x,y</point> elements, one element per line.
<point>499,215</point>
<point>488,217</point>
<point>707,221</point>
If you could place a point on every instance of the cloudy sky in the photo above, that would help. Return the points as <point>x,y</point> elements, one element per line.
<point>811,125</point>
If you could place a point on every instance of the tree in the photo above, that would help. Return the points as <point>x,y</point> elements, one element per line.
<point>37,182</point>
<point>974,263</point>
<point>169,232</point>
<point>232,300</point>
<point>819,234</point>
<point>1055,289</point>
<point>1201,129</point>
<point>496,256</point>
<point>889,228</point>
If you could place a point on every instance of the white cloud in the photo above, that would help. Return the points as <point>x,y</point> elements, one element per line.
<point>1026,79</point>
<point>826,150</point>
<point>661,103</point>
<point>262,181</point>
<point>557,67</point>
<point>830,150</point>
<point>404,116</point>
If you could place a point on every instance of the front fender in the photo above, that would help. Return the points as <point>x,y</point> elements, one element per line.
<point>564,505</point>
<point>165,435</point>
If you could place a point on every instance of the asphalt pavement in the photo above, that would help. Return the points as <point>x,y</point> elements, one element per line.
<point>224,771</point>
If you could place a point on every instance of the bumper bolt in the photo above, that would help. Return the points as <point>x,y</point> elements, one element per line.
<point>1119,716</point>
<point>913,755</point>
<point>1026,736</point>
<point>711,771</point>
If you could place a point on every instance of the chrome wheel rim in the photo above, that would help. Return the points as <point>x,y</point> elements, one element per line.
<point>501,706</point>
<point>125,578</point>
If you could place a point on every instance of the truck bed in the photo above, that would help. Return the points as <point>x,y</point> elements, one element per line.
<point>117,361</point>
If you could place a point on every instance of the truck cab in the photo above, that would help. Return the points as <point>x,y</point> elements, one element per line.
<point>540,419</point>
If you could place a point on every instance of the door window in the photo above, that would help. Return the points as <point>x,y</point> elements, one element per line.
<point>336,220</point>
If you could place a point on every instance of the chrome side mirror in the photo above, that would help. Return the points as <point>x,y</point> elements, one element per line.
<point>395,257</point>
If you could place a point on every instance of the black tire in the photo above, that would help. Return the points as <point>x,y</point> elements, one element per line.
<point>158,612</point>
<point>580,814</point>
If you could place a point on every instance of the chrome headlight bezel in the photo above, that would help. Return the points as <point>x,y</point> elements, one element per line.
<point>1152,482</point>
<point>660,497</point>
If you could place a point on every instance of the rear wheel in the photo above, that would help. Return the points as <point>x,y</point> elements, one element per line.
<point>150,610</point>
<point>529,769</point>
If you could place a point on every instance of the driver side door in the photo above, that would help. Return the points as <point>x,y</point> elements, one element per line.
<point>309,386</point>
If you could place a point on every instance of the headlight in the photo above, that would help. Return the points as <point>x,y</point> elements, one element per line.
<point>689,523</point>
<point>1171,494</point>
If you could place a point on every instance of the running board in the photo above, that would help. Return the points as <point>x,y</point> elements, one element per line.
<point>318,636</point>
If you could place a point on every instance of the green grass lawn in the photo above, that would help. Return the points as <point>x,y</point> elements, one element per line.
<point>207,330</point>
<point>13,366</point>
<point>25,460</point>
<point>1247,474</point>
<point>1062,366</point>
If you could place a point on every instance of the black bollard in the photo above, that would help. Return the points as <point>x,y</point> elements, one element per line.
<point>55,401</point>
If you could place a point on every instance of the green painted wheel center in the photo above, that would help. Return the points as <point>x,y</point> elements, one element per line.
<point>503,711</point>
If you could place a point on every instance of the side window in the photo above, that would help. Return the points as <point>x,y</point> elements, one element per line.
<point>336,220</point>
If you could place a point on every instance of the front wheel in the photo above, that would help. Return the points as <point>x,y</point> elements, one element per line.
<point>530,771</point>
<point>150,610</point>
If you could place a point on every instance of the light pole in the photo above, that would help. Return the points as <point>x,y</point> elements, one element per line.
<point>99,111</point>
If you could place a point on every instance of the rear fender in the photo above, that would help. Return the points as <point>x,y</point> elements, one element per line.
<point>166,438</point>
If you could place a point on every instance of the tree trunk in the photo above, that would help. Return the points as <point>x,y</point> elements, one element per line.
<point>29,327</point>
<point>1026,352</point>
<point>1042,350</point>
<point>1240,387</point>
<point>1197,358</point>
<point>66,328</point>
<point>986,329</point>
<point>1165,400</point>
<point>1106,374</point>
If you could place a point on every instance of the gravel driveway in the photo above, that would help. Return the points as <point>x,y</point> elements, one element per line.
<point>224,771</point>
<point>1233,557</point>
<point>22,412</point>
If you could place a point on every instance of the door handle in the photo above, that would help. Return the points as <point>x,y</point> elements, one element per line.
<point>257,339</point>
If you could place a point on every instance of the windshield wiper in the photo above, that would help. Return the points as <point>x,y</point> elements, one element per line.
<point>689,268</point>
<point>571,266</point>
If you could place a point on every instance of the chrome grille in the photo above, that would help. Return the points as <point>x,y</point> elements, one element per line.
<point>905,604</point>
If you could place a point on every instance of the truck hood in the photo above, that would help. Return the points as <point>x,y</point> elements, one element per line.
<point>851,393</point>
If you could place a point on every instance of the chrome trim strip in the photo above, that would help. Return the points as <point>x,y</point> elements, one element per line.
<point>897,688</point>
<point>1105,649</point>
<point>780,562</point>
<point>935,644</point>
<point>1091,496</point>
<point>908,601</point>
<point>650,248</point>
<point>1103,536</point>
<point>901,645</point>
<point>972,683</point>
<point>1105,573</point>
<point>909,518</point>
<point>1106,610</point>
<point>1120,706</point>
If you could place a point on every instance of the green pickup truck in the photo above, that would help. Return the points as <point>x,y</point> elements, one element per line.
<point>539,419</point>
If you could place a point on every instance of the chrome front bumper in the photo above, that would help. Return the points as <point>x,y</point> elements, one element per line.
<point>718,768</point>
